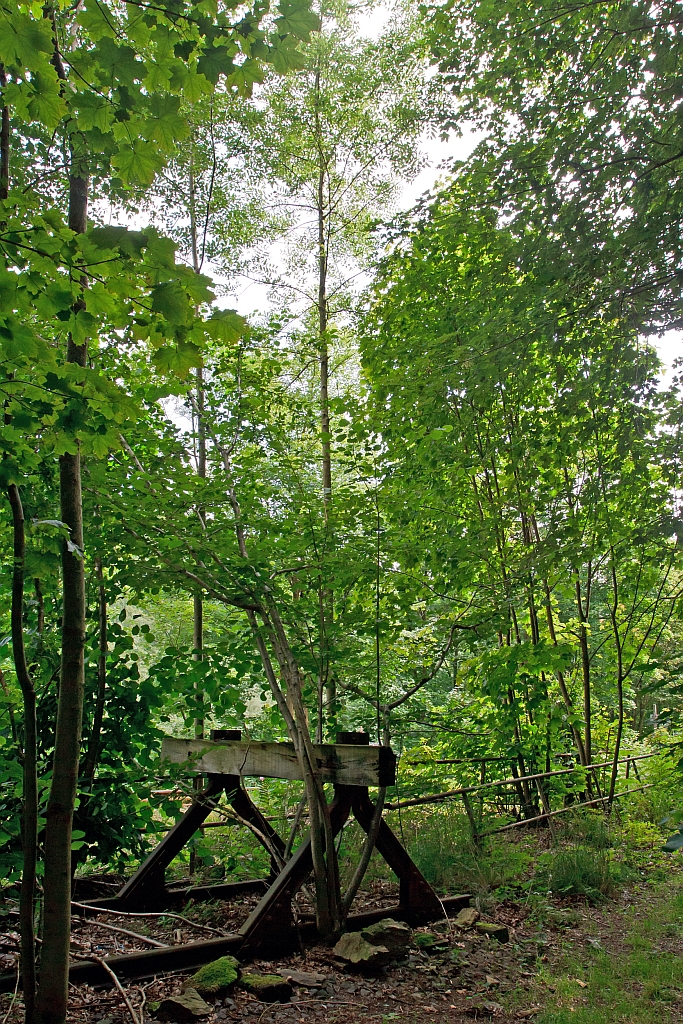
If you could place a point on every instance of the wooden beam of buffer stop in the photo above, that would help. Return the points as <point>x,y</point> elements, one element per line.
<point>344,764</point>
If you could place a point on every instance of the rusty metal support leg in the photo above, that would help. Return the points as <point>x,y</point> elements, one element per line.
<point>240,800</point>
<point>270,926</point>
<point>147,888</point>
<point>420,902</point>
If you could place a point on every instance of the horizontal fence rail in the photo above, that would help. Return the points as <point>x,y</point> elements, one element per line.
<point>464,793</point>
<point>513,780</point>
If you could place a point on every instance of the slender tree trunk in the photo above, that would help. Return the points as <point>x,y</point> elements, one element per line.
<point>323,851</point>
<point>53,990</point>
<point>93,752</point>
<point>40,601</point>
<point>4,139</point>
<point>198,604</point>
<point>585,663</point>
<point>326,682</point>
<point>29,818</point>
<point>568,702</point>
<point>620,679</point>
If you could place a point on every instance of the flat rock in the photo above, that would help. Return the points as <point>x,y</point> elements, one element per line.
<point>478,1010</point>
<point>308,979</point>
<point>467,918</point>
<point>395,935</point>
<point>188,1006</point>
<point>216,978</point>
<point>496,931</point>
<point>429,943</point>
<point>269,988</point>
<point>353,948</point>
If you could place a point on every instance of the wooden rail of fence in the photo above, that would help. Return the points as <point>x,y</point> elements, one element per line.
<point>464,793</point>
<point>449,793</point>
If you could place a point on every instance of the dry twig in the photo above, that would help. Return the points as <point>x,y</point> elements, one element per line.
<point>14,996</point>
<point>158,913</point>
<point>107,968</point>
<point>124,931</point>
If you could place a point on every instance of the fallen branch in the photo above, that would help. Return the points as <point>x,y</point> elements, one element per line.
<point>105,966</point>
<point>125,931</point>
<point>436,797</point>
<point>16,989</point>
<point>158,913</point>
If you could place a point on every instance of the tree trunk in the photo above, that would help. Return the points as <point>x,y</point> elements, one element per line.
<point>4,140</point>
<point>585,664</point>
<point>323,851</point>
<point>29,818</point>
<point>93,751</point>
<point>53,990</point>
<point>620,680</point>
<point>326,683</point>
<point>198,604</point>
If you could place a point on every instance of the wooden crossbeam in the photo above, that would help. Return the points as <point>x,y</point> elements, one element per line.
<point>346,764</point>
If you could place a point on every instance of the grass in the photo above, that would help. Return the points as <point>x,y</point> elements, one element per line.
<point>640,981</point>
<point>581,871</point>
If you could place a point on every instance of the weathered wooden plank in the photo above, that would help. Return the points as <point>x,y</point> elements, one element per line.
<point>342,763</point>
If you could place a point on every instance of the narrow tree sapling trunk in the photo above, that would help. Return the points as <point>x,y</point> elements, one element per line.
<point>29,818</point>
<point>93,752</point>
<point>54,970</point>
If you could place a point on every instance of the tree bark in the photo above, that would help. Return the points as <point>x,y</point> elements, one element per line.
<point>326,683</point>
<point>614,609</point>
<point>585,663</point>
<point>29,818</point>
<point>4,140</point>
<point>93,751</point>
<point>53,990</point>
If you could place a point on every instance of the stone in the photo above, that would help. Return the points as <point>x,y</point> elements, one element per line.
<point>478,1010</point>
<point>217,978</point>
<point>495,931</point>
<point>395,935</point>
<point>188,1006</point>
<point>308,979</point>
<point>467,918</point>
<point>269,988</point>
<point>353,948</point>
<point>429,943</point>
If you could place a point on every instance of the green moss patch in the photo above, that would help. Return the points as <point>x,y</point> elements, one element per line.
<point>216,978</point>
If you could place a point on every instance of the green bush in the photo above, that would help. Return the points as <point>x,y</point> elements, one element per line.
<point>580,871</point>
<point>588,827</point>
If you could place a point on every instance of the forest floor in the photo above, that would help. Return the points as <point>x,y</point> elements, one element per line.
<point>566,961</point>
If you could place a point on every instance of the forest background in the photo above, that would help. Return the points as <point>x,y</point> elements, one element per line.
<point>430,489</point>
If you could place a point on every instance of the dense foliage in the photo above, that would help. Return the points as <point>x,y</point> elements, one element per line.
<point>432,491</point>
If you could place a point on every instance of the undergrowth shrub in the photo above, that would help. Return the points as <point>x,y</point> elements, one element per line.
<point>587,827</point>
<point>580,871</point>
<point>443,849</point>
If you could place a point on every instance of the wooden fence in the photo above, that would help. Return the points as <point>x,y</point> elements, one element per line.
<point>464,793</point>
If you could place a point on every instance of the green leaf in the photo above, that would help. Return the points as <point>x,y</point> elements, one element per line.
<point>177,359</point>
<point>225,325</point>
<point>171,301</point>
<point>674,843</point>
<point>300,21</point>
<point>138,162</point>
<point>285,55</point>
